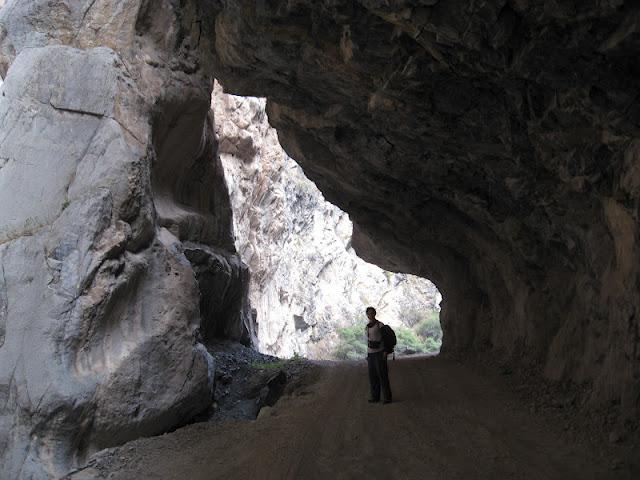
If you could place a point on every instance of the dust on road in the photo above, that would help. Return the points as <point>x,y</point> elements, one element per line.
<point>447,422</point>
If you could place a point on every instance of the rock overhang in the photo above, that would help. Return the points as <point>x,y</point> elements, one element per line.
<point>485,147</point>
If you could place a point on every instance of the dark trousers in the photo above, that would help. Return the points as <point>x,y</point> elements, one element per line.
<point>378,376</point>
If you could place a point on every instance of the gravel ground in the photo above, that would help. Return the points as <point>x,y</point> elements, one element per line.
<point>448,421</point>
<point>247,381</point>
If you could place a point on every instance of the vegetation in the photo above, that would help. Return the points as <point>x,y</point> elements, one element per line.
<point>430,327</point>
<point>414,316</point>
<point>432,346</point>
<point>352,344</point>
<point>408,341</point>
<point>277,364</point>
<point>424,337</point>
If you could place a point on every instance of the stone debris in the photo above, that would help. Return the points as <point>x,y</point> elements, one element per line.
<point>247,381</point>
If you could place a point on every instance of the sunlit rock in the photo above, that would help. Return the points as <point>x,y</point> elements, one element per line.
<point>306,280</point>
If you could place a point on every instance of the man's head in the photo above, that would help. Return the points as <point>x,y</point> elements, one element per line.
<point>371,313</point>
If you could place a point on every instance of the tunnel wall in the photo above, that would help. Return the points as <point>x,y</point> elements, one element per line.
<point>115,228</point>
<point>489,147</point>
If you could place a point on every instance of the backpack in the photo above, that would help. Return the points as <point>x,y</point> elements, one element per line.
<point>388,338</point>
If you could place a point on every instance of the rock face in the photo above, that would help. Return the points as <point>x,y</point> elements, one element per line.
<point>306,280</point>
<point>489,146</point>
<point>116,248</point>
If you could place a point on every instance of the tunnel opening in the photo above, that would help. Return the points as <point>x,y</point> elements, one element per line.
<point>273,263</point>
<point>308,288</point>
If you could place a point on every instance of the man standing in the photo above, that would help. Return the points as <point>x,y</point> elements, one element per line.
<point>377,359</point>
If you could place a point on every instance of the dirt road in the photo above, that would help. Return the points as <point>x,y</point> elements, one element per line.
<point>446,422</point>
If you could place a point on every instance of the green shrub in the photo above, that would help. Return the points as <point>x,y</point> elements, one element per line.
<point>408,341</point>
<point>351,344</point>
<point>426,337</point>
<point>276,365</point>
<point>432,346</point>
<point>430,327</point>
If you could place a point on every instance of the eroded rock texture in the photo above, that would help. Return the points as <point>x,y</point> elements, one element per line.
<point>490,146</point>
<point>306,280</point>
<point>115,228</point>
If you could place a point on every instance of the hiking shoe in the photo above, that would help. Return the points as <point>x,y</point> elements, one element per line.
<point>373,400</point>
<point>386,401</point>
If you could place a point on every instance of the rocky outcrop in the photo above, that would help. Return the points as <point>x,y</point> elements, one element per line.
<point>115,228</point>
<point>306,280</point>
<point>491,147</point>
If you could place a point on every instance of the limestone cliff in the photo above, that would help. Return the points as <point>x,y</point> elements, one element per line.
<point>306,280</point>
<point>116,250</point>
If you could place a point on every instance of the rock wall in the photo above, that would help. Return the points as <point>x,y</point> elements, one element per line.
<point>489,146</point>
<point>116,248</point>
<point>306,280</point>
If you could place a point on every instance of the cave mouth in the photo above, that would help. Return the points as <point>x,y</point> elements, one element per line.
<point>308,289</point>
